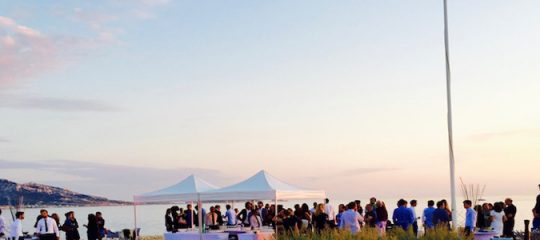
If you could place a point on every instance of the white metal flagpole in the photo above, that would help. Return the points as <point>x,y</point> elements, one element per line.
<point>449,115</point>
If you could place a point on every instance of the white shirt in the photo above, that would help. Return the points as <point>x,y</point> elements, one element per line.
<point>350,220</point>
<point>16,229</point>
<point>51,226</point>
<point>329,209</point>
<point>414,213</point>
<point>2,224</point>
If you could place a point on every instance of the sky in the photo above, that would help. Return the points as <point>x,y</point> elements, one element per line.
<point>116,98</point>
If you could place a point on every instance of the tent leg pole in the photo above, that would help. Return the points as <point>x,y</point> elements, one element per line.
<point>276,209</point>
<point>192,224</point>
<point>135,235</point>
<point>199,214</point>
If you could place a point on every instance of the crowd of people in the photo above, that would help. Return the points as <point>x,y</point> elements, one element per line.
<point>498,217</point>
<point>48,227</point>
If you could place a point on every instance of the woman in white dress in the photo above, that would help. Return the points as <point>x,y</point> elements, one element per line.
<point>497,218</point>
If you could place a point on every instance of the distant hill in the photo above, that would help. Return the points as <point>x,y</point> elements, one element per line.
<point>35,194</point>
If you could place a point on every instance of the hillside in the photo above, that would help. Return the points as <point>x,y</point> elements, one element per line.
<point>34,194</point>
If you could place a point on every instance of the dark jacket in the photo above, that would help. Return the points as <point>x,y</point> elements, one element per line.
<point>72,229</point>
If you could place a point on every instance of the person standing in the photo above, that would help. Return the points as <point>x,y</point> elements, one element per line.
<point>211,218</point>
<point>320,218</point>
<point>244,215</point>
<point>47,229</point>
<point>351,219</point>
<point>16,232</point>
<point>2,225</point>
<point>101,225</point>
<point>71,227</point>
<point>403,216</point>
<point>370,216</point>
<point>441,218</point>
<point>510,211</point>
<point>230,215</point>
<point>427,216</point>
<point>329,209</point>
<point>498,218</point>
<point>537,206</point>
<point>92,232</point>
<point>382,217</point>
<point>415,223</point>
<point>470,217</point>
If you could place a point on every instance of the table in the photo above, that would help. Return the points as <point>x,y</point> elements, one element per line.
<point>195,236</point>
<point>484,235</point>
<point>256,236</point>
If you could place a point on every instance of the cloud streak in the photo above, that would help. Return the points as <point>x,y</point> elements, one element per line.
<point>56,104</point>
<point>109,180</point>
<point>24,52</point>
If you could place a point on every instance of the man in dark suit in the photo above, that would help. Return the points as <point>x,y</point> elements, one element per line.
<point>244,215</point>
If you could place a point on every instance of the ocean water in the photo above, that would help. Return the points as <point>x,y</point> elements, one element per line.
<point>150,218</point>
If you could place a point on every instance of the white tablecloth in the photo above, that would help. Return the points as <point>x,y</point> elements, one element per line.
<point>195,236</point>
<point>484,235</point>
<point>256,236</point>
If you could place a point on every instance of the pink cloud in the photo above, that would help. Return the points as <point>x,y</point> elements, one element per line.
<point>24,52</point>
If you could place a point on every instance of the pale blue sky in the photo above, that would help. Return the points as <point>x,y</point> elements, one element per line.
<point>300,88</point>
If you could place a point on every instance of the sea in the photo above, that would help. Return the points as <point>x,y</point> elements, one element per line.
<point>150,218</point>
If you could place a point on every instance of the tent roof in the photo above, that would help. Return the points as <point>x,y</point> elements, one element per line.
<point>262,186</point>
<point>186,190</point>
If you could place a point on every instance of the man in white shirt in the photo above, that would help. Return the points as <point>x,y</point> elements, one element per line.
<point>46,227</point>
<point>329,209</point>
<point>351,219</point>
<point>2,225</point>
<point>16,232</point>
<point>415,223</point>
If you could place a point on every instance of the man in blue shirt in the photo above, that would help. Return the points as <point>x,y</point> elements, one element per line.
<point>230,215</point>
<point>440,216</point>
<point>427,217</point>
<point>403,216</point>
<point>470,217</point>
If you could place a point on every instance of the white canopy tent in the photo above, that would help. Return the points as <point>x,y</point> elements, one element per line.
<point>261,186</point>
<point>187,190</point>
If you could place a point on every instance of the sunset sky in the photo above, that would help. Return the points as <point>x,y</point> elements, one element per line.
<point>344,96</point>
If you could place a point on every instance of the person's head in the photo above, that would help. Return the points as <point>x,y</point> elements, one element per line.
<point>218,208</point>
<point>440,204</point>
<point>413,203</point>
<point>236,210</point>
<point>358,204</point>
<point>260,204</point>
<point>189,206</point>
<point>18,215</point>
<point>402,203</point>
<point>91,217</point>
<point>369,207</point>
<point>467,204</point>
<point>43,213</point>
<point>372,200</point>
<point>267,206</point>
<point>168,211</point>
<point>305,208</point>
<point>478,208</point>
<point>508,201</point>
<point>379,204</point>
<point>55,217</point>
<point>247,205</point>
<point>98,214</point>
<point>341,208</point>
<point>319,209</point>
<point>70,215</point>
<point>498,207</point>
<point>228,207</point>
<point>212,209</point>
<point>351,206</point>
<point>445,203</point>
<point>296,207</point>
<point>315,205</point>
<point>430,203</point>
<point>326,200</point>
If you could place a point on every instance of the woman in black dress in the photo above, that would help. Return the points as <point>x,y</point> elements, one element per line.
<point>168,221</point>
<point>92,227</point>
<point>320,218</point>
<point>71,227</point>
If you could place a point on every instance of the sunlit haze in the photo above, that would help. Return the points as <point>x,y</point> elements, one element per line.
<point>121,97</point>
